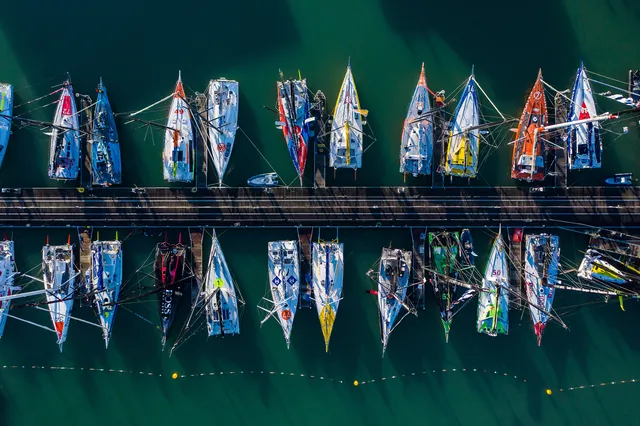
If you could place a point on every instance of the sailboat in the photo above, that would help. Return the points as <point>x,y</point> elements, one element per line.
<point>219,294</point>
<point>493,299</point>
<point>7,275</point>
<point>327,274</point>
<point>169,268</point>
<point>528,147</point>
<point>463,145</point>
<point>6,114</point>
<point>294,115</point>
<point>59,284</point>
<point>444,256</point>
<point>393,282</point>
<point>584,142</point>
<point>284,284</point>
<point>222,119</point>
<point>347,137</point>
<point>106,166</point>
<point>416,147</point>
<point>64,152</point>
<point>600,267</point>
<point>540,276</point>
<point>104,281</point>
<point>177,156</point>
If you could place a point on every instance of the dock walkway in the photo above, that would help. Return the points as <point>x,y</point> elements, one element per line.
<point>305,236</point>
<point>195,235</point>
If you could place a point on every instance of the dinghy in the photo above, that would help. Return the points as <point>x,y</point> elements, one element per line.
<point>294,117</point>
<point>620,179</point>
<point>169,268</point>
<point>416,147</point>
<point>346,130</point>
<point>59,284</point>
<point>219,294</point>
<point>602,268</point>
<point>178,151</point>
<point>105,146</point>
<point>7,275</point>
<point>264,180</point>
<point>464,137</point>
<point>528,147</point>
<point>222,120</point>
<point>284,284</point>
<point>493,299</point>
<point>6,114</point>
<point>104,281</point>
<point>327,274</point>
<point>64,153</point>
<point>393,282</point>
<point>540,277</point>
<point>584,142</point>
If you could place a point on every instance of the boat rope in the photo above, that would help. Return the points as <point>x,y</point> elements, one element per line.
<point>607,77</point>
<point>558,92</point>
<point>141,317</point>
<point>108,370</point>
<point>40,98</point>
<point>259,152</point>
<point>611,86</point>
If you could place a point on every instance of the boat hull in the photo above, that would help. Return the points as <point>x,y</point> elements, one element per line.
<point>104,282</point>
<point>59,283</point>
<point>7,274</point>
<point>464,138</point>
<point>293,112</point>
<point>284,282</point>
<point>347,137</point>
<point>222,114</point>
<point>178,153</point>
<point>393,282</point>
<point>264,180</point>
<point>327,276</point>
<point>220,298</point>
<point>584,141</point>
<point>528,148</point>
<point>106,165</point>
<point>493,300</point>
<point>444,256</point>
<point>6,108</point>
<point>541,267</point>
<point>169,268</point>
<point>416,147</point>
<point>64,155</point>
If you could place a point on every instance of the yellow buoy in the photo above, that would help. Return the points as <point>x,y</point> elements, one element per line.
<point>355,383</point>
<point>549,392</point>
<point>174,376</point>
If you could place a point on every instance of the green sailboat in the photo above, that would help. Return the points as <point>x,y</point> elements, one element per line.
<point>493,300</point>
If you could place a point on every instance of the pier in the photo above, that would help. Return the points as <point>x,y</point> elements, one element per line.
<point>470,207</point>
<point>558,153</point>
<point>418,239</point>
<point>514,240</point>
<point>201,160</point>
<point>305,236</point>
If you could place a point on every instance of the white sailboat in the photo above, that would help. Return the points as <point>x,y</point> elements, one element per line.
<point>219,294</point>
<point>222,120</point>
<point>327,275</point>
<point>59,283</point>
<point>346,130</point>
<point>6,114</point>
<point>177,156</point>
<point>284,284</point>
<point>64,151</point>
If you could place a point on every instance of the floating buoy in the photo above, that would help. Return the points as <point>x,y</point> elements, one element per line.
<point>355,383</point>
<point>194,189</point>
<point>548,392</point>
<point>174,376</point>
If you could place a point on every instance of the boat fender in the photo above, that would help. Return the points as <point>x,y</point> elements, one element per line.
<point>194,189</point>
<point>81,190</point>
<point>378,225</point>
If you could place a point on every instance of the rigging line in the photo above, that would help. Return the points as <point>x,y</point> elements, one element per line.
<point>18,116</point>
<point>557,91</point>
<point>612,87</point>
<point>37,99</point>
<point>489,99</point>
<point>607,77</point>
<point>263,157</point>
<point>148,107</point>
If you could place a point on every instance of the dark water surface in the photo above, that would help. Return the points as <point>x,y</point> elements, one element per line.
<point>138,50</point>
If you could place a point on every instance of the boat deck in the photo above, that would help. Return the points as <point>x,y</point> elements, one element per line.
<point>195,235</point>
<point>320,131</point>
<point>515,270</point>
<point>558,154</point>
<point>202,159</point>
<point>418,238</point>
<point>305,236</point>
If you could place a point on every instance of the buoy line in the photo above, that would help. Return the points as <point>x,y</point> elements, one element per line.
<point>597,385</point>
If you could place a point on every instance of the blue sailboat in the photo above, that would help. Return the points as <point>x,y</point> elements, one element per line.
<point>105,147</point>
<point>6,111</point>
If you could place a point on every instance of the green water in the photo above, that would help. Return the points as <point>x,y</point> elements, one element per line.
<point>139,49</point>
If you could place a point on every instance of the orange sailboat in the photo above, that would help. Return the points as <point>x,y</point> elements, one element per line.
<point>528,148</point>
